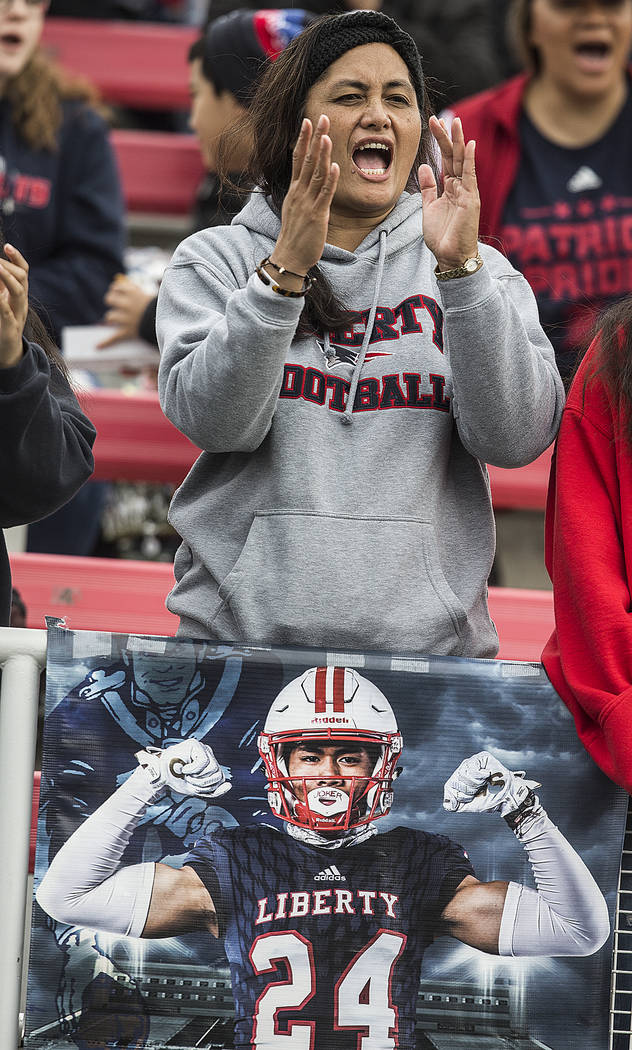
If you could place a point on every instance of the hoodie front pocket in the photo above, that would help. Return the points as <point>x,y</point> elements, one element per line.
<point>361,582</point>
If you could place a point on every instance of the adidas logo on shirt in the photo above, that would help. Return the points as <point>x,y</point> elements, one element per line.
<point>584,179</point>
<point>330,875</point>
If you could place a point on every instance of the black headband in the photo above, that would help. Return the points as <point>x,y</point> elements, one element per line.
<point>337,34</point>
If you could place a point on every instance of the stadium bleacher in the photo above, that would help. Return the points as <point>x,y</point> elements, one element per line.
<point>135,64</point>
<point>136,442</point>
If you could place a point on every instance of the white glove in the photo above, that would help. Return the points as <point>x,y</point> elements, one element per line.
<point>482,784</point>
<point>187,768</point>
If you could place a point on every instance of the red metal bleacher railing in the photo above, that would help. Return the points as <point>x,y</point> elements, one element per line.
<point>160,171</point>
<point>136,442</point>
<point>140,65</point>
<point>108,594</point>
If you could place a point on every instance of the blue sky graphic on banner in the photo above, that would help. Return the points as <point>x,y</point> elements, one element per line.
<point>365,946</point>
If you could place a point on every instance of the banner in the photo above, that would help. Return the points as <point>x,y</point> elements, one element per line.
<point>349,847</point>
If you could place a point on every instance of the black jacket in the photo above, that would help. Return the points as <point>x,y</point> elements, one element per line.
<point>45,448</point>
<point>64,210</point>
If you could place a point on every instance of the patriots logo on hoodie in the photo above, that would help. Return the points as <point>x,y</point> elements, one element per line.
<point>343,355</point>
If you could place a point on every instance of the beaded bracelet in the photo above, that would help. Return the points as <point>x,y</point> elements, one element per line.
<point>282,269</point>
<point>308,281</point>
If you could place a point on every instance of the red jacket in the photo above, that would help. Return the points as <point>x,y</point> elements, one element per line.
<point>492,118</point>
<point>588,550</point>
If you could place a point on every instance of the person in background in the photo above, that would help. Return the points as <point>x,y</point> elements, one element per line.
<point>554,157</point>
<point>60,195</point>
<point>225,63</point>
<point>456,40</point>
<point>61,206</point>
<point>588,658</point>
<point>45,439</point>
<point>348,357</point>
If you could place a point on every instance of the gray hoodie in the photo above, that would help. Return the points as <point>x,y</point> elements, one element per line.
<point>298,529</point>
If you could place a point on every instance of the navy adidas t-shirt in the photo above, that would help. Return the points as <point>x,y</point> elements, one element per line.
<point>567,226</point>
<point>330,941</point>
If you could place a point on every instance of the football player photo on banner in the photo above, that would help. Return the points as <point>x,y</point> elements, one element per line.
<point>286,849</point>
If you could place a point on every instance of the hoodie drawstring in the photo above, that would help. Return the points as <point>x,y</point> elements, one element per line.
<point>347,417</point>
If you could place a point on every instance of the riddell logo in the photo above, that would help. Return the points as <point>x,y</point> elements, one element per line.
<point>331,719</point>
<point>330,875</point>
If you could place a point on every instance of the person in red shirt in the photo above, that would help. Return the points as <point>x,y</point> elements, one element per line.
<point>589,549</point>
<point>554,150</point>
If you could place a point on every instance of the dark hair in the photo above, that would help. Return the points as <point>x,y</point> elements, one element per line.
<point>198,50</point>
<point>518,32</point>
<point>612,362</point>
<point>275,118</point>
<point>234,48</point>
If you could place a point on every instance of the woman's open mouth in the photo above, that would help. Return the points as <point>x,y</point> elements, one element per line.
<point>10,41</point>
<point>373,160</point>
<point>593,56</point>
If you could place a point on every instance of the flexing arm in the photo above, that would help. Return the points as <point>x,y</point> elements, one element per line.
<point>85,884</point>
<point>566,915</point>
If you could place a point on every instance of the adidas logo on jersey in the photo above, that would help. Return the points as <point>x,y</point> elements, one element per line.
<point>330,875</point>
<point>584,179</point>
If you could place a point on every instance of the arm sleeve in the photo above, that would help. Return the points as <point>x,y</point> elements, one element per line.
<point>71,282</point>
<point>567,915</point>
<point>508,395</point>
<point>589,656</point>
<point>84,885</point>
<point>46,439</point>
<point>223,348</point>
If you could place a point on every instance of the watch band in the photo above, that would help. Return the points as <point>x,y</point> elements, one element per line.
<point>470,266</point>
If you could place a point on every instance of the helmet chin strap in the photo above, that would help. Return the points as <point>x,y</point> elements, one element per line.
<point>346,838</point>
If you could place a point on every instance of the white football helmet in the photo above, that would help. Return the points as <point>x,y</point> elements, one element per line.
<point>334,706</point>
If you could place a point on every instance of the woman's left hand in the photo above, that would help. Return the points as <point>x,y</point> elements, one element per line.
<point>450,221</point>
<point>14,305</point>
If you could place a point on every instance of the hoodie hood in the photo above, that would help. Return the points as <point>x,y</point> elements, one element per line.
<point>259,217</point>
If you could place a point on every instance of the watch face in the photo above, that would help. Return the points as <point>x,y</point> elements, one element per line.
<point>470,265</point>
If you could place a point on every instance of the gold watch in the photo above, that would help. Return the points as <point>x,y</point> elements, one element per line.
<point>469,266</point>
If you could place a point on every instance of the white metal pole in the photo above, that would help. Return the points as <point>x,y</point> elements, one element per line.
<point>22,657</point>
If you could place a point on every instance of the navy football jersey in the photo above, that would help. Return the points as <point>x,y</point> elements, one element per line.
<point>325,946</point>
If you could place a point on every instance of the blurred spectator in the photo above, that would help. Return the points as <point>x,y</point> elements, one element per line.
<point>62,206</point>
<point>455,38</point>
<point>554,152</point>
<point>59,189</point>
<point>45,438</point>
<point>224,66</point>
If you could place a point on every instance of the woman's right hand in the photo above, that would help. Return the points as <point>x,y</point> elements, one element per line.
<point>14,305</point>
<point>305,212</point>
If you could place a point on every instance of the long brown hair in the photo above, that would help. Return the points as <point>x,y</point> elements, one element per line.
<point>35,97</point>
<point>274,118</point>
<point>612,363</point>
<point>518,33</point>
